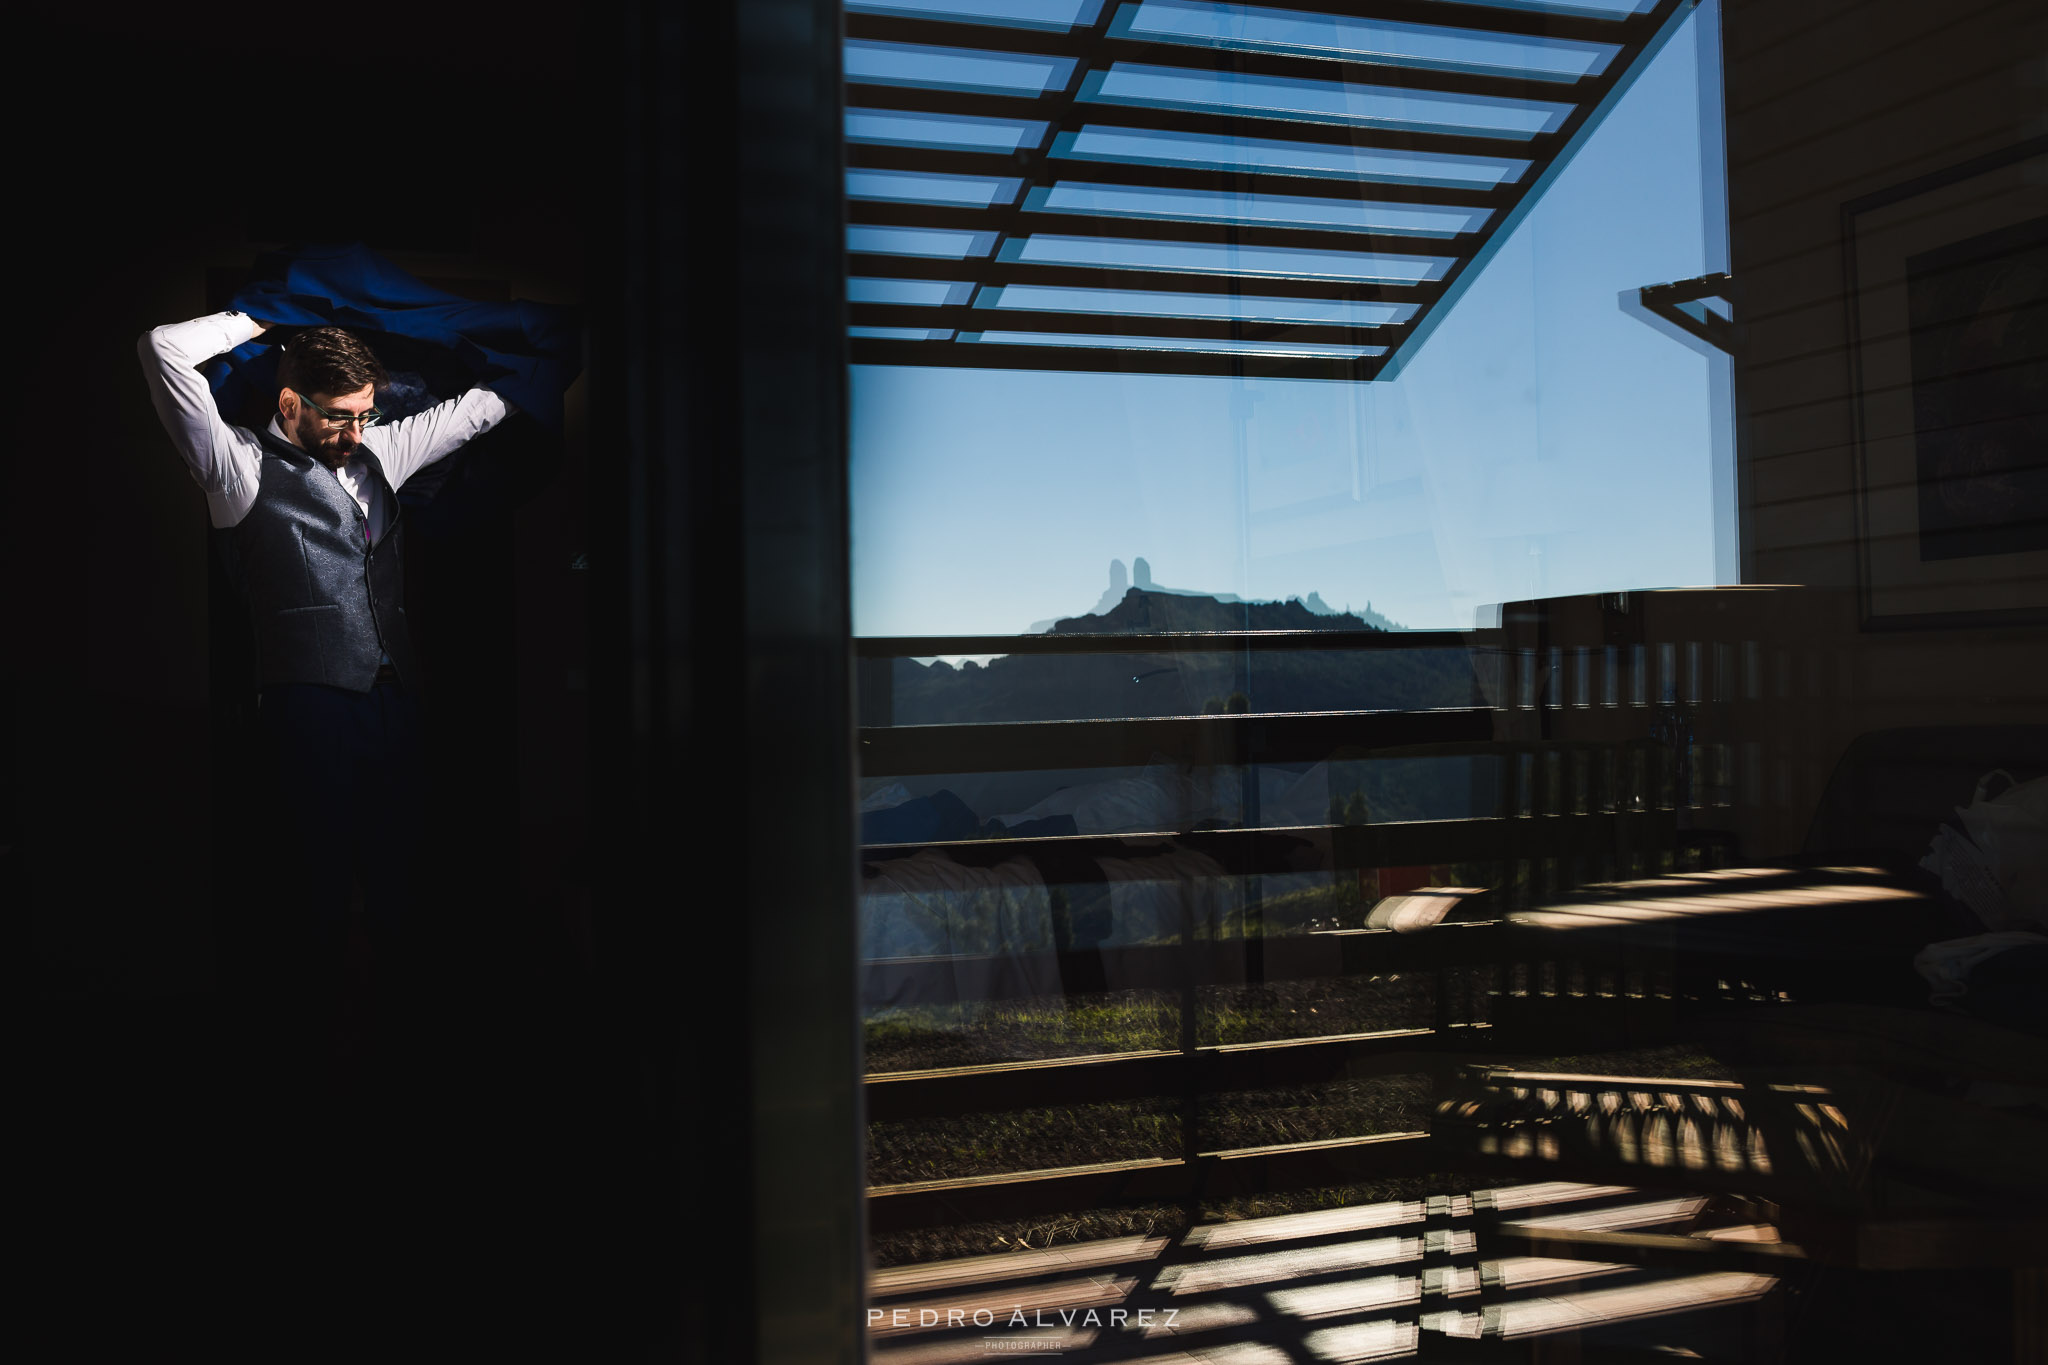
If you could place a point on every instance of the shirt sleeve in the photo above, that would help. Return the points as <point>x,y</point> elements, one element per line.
<point>224,460</point>
<point>405,448</point>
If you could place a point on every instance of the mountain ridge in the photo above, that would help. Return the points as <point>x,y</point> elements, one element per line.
<point>1143,612</point>
<point>1116,598</point>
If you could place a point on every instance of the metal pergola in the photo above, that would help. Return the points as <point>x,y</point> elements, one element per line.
<point>1195,188</point>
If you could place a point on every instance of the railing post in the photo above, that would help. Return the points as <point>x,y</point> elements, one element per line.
<point>1190,1068</point>
<point>875,690</point>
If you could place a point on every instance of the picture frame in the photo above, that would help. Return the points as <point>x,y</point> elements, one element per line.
<point>1946,278</point>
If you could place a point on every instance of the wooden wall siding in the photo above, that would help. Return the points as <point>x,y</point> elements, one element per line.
<point>1827,101</point>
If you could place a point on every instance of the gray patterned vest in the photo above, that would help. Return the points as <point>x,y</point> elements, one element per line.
<point>325,605</point>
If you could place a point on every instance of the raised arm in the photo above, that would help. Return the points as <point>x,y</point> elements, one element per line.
<point>405,448</point>
<point>223,460</point>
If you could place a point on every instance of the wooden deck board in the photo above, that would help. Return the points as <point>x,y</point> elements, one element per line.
<point>1628,1303</point>
<point>1014,1265</point>
<point>1034,1302</point>
<point>1293,1289</point>
<point>1296,1226</point>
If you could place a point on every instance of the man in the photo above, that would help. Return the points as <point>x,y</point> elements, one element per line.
<point>314,530</point>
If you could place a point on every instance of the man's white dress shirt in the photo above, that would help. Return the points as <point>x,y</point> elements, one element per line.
<point>227,461</point>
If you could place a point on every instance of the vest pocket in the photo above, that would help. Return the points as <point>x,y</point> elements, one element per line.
<point>299,644</point>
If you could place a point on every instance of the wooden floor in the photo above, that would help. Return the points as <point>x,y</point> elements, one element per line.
<point>1366,1283</point>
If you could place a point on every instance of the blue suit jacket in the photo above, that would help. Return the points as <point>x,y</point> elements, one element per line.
<point>435,344</point>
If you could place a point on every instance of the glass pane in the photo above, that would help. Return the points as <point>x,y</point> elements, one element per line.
<point>1142,303</point>
<point>920,293</point>
<point>921,187</point>
<point>1598,9</point>
<point>1153,147</point>
<point>1184,804</point>
<point>955,68</point>
<point>1351,215</point>
<point>909,241</point>
<point>1197,682</point>
<point>894,129</point>
<point>1171,344</point>
<point>1422,46</point>
<point>1322,101</point>
<point>1044,14</point>
<point>1209,258</point>
<point>902,333</point>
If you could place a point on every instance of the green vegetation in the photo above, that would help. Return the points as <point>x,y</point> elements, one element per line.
<point>921,1245</point>
<point>926,1037</point>
<point>1314,1113</point>
<point>919,1038</point>
<point>1023,1140</point>
<point>1350,809</point>
<point>1391,1189</point>
<point>1314,1008</point>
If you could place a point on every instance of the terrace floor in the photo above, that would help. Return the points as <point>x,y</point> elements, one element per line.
<point>1364,1283</point>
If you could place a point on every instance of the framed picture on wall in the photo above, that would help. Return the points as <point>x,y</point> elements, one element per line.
<point>1948,328</point>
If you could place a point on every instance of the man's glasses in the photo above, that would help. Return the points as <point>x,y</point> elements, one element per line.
<point>337,420</point>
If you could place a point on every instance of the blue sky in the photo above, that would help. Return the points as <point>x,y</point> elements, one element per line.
<point>1540,442</point>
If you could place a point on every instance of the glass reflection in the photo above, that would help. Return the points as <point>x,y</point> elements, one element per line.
<point>1217,345</point>
<point>1048,14</point>
<point>900,333</point>
<point>1167,147</point>
<point>1598,9</point>
<point>1322,101</point>
<point>920,293</point>
<point>957,131</point>
<point>1187,871</point>
<point>923,187</point>
<point>954,68</point>
<point>1132,201</point>
<point>912,241</point>
<point>1050,299</point>
<point>1422,46</point>
<point>1213,258</point>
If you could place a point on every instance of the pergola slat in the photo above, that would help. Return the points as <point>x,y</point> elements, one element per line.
<point>1284,348</point>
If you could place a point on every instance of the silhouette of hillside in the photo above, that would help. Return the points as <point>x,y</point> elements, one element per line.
<point>1020,687</point>
<point>1139,576</point>
<point>1142,613</point>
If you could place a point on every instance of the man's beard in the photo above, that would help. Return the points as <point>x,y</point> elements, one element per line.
<point>330,454</point>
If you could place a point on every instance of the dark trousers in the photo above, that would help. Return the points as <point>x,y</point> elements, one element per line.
<point>341,777</point>
<point>337,1041</point>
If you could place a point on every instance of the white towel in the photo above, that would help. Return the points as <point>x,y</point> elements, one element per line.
<point>1947,965</point>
